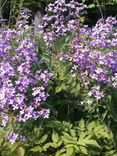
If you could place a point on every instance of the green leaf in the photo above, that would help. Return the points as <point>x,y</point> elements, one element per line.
<point>70,151</point>
<point>1,140</point>
<point>55,137</point>
<point>58,89</point>
<point>104,134</point>
<point>78,87</point>
<point>76,148</point>
<point>21,151</point>
<point>91,126</point>
<point>91,6</point>
<point>83,150</point>
<point>59,143</point>
<point>14,147</point>
<point>68,141</point>
<point>61,151</point>
<point>42,139</point>
<point>72,132</point>
<point>54,145</point>
<point>46,146</point>
<point>92,142</point>
<point>68,137</point>
<point>36,149</point>
<point>83,1</point>
<point>81,124</point>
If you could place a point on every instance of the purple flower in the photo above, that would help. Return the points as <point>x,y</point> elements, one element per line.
<point>12,137</point>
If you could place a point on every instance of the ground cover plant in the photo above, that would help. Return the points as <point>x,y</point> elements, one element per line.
<point>58,89</point>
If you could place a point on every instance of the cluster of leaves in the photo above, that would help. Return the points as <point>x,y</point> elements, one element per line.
<point>65,139</point>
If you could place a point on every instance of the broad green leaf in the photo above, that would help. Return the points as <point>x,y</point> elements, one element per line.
<point>42,139</point>
<point>46,146</point>
<point>69,145</point>
<point>76,148</point>
<point>81,124</point>
<point>68,141</point>
<point>78,87</point>
<point>14,147</point>
<point>55,137</point>
<point>60,143</point>
<point>104,134</point>
<point>91,6</point>
<point>91,126</point>
<point>72,132</point>
<point>36,149</point>
<point>82,135</point>
<point>54,145</point>
<point>58,89</point>
<point>83,150</point>
<point>20,151</point>
<point>81,143</point>
<point>67,136</point>
<point>70,151</point>
<point>73,84</point>
<point>60,152</point>
<point>1,140</point>
<point>92,142</point>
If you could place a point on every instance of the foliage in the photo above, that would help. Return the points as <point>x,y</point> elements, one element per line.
<point>63,138</point>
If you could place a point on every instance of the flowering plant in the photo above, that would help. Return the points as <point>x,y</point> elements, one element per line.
<point>22,88</point>
<point>61,19</point>
<point>92,54</point>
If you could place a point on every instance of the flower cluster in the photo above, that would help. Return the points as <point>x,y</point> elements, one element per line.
<point>104,33</point>
<point>93,54</point>
<point>94,57</point>
<point>61,19</point>
<point>13,137</point>
<point>21,88</point>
